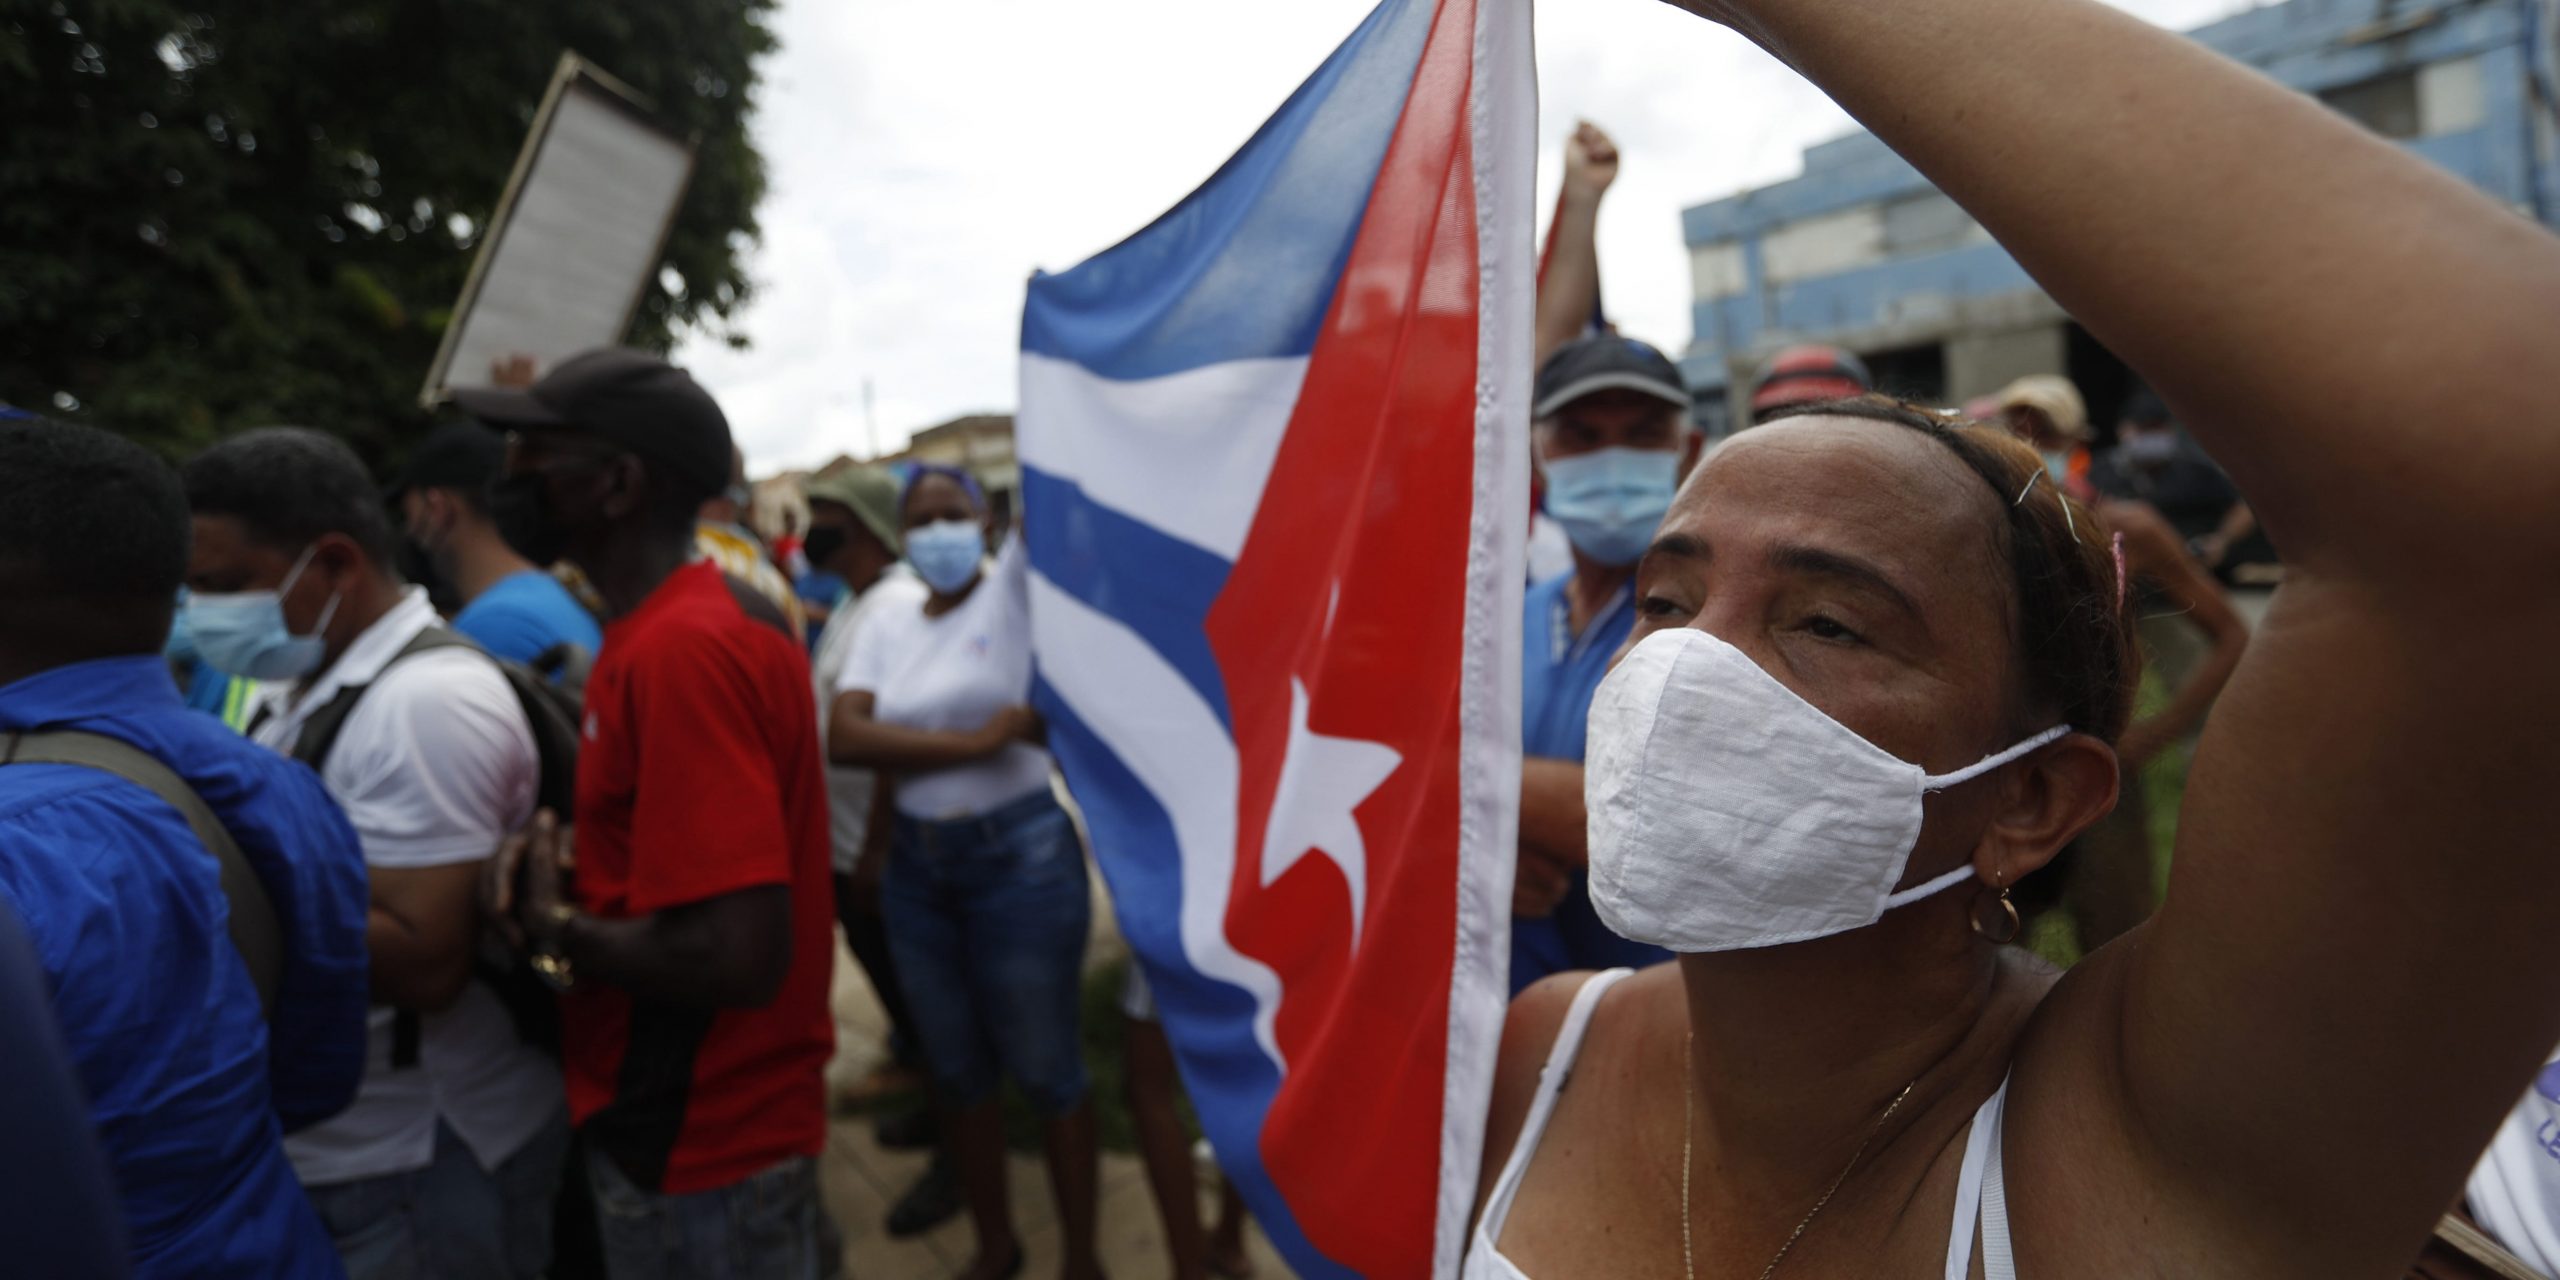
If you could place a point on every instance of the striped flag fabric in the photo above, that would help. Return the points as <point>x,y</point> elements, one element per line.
<point>1275,470</point>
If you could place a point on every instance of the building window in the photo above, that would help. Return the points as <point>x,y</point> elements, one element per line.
<point>1717,271</point>
<point>2423,102</point>
<point>1929,223</point>
<point>1824,245</point>
<point>2386,104</point>
<point>2453,97</point>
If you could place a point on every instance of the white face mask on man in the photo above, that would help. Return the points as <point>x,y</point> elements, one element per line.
<point>1728,813</point>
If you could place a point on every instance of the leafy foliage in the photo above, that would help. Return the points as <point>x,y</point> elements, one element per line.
<point>218,214</point>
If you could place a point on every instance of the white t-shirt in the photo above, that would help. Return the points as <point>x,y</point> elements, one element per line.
<point>434,766</point>
<point>2515,1192</point>
<point>850,791</point>
<point>955,673</point>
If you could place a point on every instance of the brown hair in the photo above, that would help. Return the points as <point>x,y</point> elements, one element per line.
<point>2074,637</point>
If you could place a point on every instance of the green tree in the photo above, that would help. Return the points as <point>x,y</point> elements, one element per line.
<point>217,214</point>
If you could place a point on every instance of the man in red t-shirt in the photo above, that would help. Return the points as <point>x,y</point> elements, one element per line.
<point>689,919</point>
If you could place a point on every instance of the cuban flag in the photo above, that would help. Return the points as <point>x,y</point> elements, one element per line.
<point>1275,463</point>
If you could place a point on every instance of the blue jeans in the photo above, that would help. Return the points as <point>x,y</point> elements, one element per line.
<point>452,1220</point>
<point>987,917</point>
<point>766,1226</point>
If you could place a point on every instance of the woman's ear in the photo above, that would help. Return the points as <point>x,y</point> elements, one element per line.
<point>2047,798</point>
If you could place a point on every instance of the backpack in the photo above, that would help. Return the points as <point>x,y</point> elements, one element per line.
<point>254,932</point>
<point>554,710</point>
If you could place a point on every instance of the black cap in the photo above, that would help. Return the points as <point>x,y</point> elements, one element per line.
<point>629,399</point>
<point>1606,362</point>
<point>457,455</point>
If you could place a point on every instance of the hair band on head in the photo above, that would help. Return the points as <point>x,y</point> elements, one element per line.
<point>2120,578</point>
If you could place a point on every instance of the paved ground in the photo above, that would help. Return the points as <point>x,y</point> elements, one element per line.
<point>862,1180</point>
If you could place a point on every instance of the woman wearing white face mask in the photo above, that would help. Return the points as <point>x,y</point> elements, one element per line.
<point>986,894</point>
<point>1828,752</point>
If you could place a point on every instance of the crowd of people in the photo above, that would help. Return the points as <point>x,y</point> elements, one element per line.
<point>440,878</point>
<point>542,843</point>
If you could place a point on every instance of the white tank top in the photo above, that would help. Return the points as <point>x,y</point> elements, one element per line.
<point>1980,1193</point>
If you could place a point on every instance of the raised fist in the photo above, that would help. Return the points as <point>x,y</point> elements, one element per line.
<point>1590,160</point>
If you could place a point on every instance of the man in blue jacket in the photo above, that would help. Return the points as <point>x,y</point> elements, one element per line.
<point>191,1086</point>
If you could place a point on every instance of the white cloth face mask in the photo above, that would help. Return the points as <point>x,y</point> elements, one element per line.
<point>1728,813</point>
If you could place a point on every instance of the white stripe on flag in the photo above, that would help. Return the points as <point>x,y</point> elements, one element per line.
<point>1188,453</point>
<point>1173,743</point>
<point>1502,115</point>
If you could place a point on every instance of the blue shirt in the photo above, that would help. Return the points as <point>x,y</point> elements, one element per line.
<point>1559,673</point>
<point>189,1088</point>
<point>58,1210</point>
<point>526,612</point>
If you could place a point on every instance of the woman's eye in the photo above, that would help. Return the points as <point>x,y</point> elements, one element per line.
<point>1826,627</point>
<point>1659,607</point>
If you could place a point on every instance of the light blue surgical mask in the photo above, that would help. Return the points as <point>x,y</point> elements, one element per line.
<point>1611,500</point>
<point>946,553</point>
<point>243,633</point>
<point>181,647</point>
<point>2058,467</point>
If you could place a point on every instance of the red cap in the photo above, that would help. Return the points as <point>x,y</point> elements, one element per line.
<point>1802,375</point>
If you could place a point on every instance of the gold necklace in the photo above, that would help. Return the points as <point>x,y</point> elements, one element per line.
<point>1688,1160</point>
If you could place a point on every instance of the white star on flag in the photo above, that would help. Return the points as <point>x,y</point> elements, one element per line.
<point>1321,781</point>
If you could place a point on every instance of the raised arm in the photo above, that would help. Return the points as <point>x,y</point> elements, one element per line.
<point>1569,277</point>
<point>2154,554</point>
<point>2348,983</point>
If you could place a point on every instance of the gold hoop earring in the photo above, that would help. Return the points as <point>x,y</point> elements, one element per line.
<point>2005,931</point>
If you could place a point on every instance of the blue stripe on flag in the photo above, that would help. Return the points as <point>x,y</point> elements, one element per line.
<point>1245,266</point>
<point>1230,1080</point>
<point>1158,586</point>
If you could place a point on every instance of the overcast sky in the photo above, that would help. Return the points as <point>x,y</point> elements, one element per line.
<point>926,155</point>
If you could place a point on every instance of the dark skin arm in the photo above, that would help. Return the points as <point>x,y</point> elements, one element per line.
<point>2237,524</point>
<point>727,952</point>
<point>857,740</point>
<point>418,933</point>
<point>875,841</point>
<point>1554,835</point>
<point>2152,553</point>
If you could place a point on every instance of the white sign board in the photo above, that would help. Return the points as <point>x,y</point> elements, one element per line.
<point>576,236</point>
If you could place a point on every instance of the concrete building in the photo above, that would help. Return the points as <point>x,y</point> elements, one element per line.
<point>979,443</point>
<point>1862,252</point>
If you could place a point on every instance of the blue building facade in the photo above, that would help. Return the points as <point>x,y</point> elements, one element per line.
<point>1862,252</point>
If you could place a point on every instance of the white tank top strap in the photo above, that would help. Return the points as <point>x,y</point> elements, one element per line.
<point>1551,1079</point>
<point>1982,1196</point>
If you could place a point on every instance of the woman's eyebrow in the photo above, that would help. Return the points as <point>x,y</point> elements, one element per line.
<point>1818,562</point>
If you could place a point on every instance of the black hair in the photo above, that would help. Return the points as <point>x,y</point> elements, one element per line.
<point>2146,408</point>
<point>86,514</point>
<point>288,486</point>
<point>2074,637</point>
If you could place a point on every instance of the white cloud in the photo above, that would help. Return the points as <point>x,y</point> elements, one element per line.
<point>926,156</point>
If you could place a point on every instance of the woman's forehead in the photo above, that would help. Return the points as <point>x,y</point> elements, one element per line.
<point>1879,490</point>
